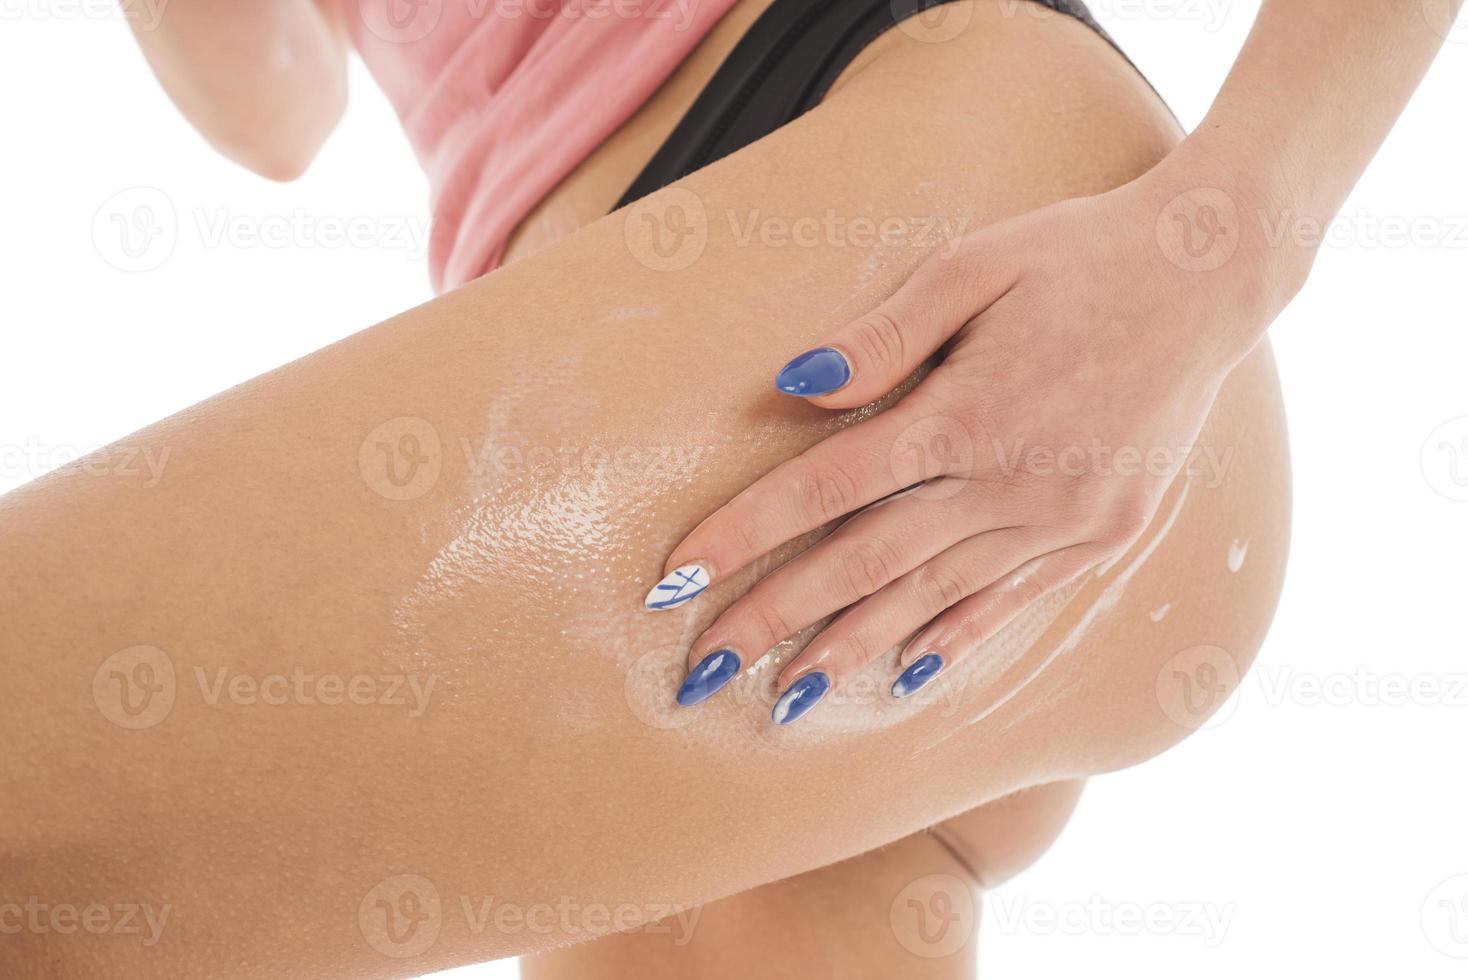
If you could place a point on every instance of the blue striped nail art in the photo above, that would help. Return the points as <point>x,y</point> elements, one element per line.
<point>706,679</point>
<point>680,585</point>
<point>800,698</point>
<point>917,674</point>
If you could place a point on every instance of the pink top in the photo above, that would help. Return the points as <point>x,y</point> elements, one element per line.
<point>503,98</point>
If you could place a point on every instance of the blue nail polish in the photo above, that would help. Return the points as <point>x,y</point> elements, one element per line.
<point>800,698</point>
<point>816,372</point>
<point>917,674</point>
<point>706,679</point>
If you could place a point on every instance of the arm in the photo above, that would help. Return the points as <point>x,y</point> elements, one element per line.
<point>264,82</point>
<point>1082,347</point>
<point>1312,96</point>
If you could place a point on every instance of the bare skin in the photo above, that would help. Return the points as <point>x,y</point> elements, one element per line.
<point>842,915</point>
<point>264,83</point>
<point>1012,305</point>
<point>548,768</point>
<point>910,909</point>
<point>1109,321</point>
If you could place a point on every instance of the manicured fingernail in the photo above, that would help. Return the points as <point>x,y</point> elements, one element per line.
<point>711,674</point>
<point>816,372</point>
<point>918,673</point>
<point>800,698</point>
<point>680,585</point>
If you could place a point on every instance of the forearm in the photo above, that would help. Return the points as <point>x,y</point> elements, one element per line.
<point>1312,96</point>
<point>1315,91</point>
<point>263,82</point>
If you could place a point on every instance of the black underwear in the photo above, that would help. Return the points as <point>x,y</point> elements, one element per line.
<point>780,69</point>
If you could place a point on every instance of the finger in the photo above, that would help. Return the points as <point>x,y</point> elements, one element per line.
<point>839,475</point>
<point>877,624</point>
<point>870,356</point>
<point>862,556</point>
<point>970,624</point>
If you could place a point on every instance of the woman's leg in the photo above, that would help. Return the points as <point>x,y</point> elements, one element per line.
<point>836,921</point>
<point>910,909</point>
<point>362,686</point>
<point>860,917</point>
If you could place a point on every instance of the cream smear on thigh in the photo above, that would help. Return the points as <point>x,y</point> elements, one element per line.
<point>571,534</point>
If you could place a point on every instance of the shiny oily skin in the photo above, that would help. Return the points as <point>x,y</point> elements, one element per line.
<point>572,541</point>
<point>654,677</point>
<point>549,536</point>
<point>533,775</point>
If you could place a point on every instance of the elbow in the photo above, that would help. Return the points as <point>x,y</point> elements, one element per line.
<point>279,163</point>
<point>282,158</point>
<point>281,146</point>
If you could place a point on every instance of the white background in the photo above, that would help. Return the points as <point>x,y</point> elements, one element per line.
<point>1319,824</point>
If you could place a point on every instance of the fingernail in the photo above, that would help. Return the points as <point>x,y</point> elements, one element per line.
<point>816,372</point>
<point>800,698</point>
<point>918,673</point>
<point>711,674</point>
<point>680,585</point>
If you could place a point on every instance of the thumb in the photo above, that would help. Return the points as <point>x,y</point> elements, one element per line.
<point>870,356</point>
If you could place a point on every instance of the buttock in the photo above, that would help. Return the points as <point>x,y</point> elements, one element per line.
<point>764,64</point>
<point>1155,640</point>
<point>786,63</point>
<point>1129,663</point>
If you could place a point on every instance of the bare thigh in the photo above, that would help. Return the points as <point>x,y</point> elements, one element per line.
<point>987,844</point>
<point>994,841</point>
<point>550,763</point>
<point>910,909</point>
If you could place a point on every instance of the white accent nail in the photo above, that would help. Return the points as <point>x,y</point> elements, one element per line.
<point>680,585</point>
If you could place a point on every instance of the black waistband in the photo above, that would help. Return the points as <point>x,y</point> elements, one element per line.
<point>780,69</point>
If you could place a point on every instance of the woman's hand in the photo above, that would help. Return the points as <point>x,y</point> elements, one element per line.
<point>1081,349</point>
<point>1082,346</point>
